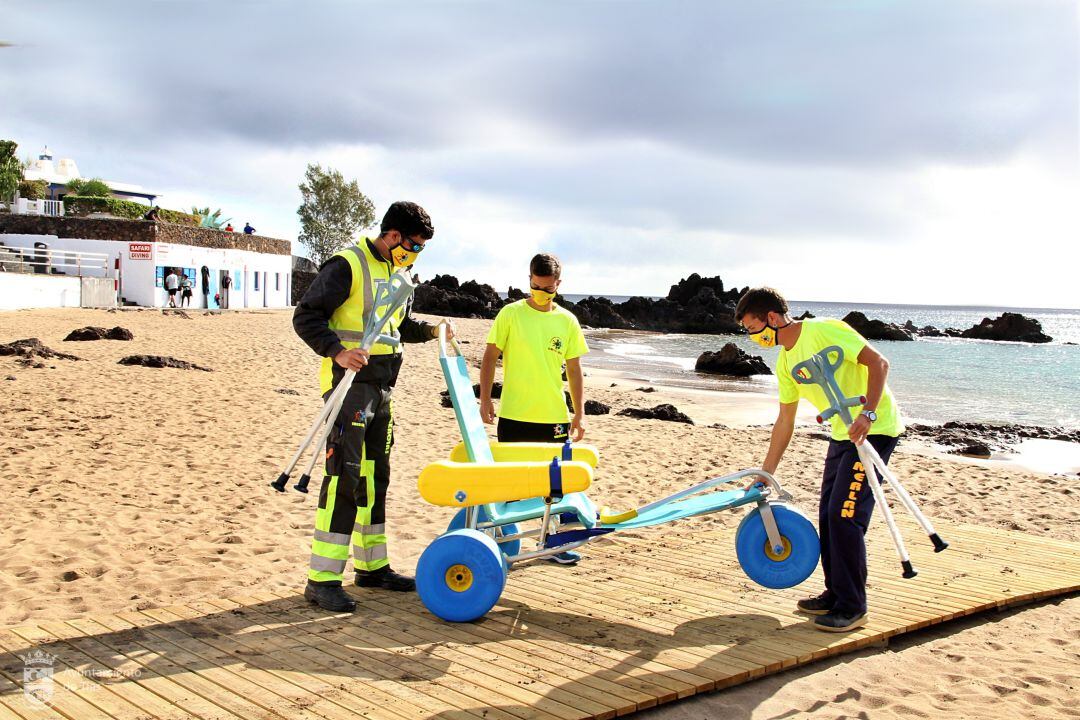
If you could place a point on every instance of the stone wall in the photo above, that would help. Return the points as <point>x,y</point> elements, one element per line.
<point>140,231</point>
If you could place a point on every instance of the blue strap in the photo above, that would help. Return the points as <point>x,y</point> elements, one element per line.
<point>555,476</point>
<point>567,452</point>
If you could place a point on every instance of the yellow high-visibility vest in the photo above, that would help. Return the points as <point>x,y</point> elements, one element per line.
<point>368,272</point>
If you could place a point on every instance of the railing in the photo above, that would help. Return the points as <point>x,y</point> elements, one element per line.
<point>39,259</point>
<point>51,208</point>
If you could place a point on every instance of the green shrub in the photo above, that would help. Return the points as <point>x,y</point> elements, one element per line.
<point>33,189</point>
<point>79,206</point>
<point>94,187</point>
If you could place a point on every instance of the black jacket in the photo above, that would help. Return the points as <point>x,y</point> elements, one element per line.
<point>329,291</point>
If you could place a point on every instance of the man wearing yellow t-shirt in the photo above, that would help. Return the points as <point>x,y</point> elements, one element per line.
<point>763,313</point>
<point>536,338</point>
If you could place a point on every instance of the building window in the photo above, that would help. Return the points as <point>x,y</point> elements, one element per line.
<point>256,281</point>
<point>277,281</point>
<point>159,276</point>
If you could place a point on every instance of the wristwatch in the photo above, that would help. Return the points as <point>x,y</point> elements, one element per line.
<point>870,415</point>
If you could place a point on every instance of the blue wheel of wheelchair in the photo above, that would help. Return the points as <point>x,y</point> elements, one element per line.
<point>461,575</point>
<point>508,548</point>
<point>777,570</point>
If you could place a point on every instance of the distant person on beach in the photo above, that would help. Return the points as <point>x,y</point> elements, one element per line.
<point>152,214</point>
<point>185,290</point>
<point>228,227</point>
<point>248,230</point>
<point>763,313</point>
<point>172,282</point>
<point>330,319</point>
<point>226,283</point>
<point>536,339</point>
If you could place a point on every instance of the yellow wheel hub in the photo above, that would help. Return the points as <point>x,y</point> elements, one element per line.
<point>781,556</point>
<point>459,578</point>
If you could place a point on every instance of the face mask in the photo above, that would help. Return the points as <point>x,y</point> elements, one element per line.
<point>402,257</point>
<point>766,337</point>
<point>541,297</point>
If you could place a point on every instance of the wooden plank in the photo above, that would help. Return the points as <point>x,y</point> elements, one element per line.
<point>66,682</point>
<point>133,693</point>
<point>319,698</point>
<point>336,657</point>
<point>420,661</point>
<point>553,667</point>
<point>83,634</point>
<point>181,667</point>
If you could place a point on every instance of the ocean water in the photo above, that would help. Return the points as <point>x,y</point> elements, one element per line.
<point>934,379</point>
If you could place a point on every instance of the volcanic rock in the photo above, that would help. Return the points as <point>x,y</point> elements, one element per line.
<point>99,333</point>
<point>31,348</point>
<point>595,407</point>
<point>730,360</point>
<point>661,412</point>
<point>876,329</point>
<point>161,361</point>
<point>1009,326</point>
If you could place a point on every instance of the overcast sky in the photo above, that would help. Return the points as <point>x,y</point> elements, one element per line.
<point>918,152</point>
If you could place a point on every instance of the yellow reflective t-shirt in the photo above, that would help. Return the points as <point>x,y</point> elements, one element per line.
<point>535,345</point>
<point>818,334</point>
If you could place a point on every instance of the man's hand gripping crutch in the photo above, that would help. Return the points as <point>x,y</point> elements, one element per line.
<point>820,370</point>
<point>389,298</point>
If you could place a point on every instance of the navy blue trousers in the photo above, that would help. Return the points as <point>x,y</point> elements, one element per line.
<point>843,516</point>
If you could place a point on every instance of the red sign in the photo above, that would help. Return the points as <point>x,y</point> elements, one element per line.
<point>139,251</point>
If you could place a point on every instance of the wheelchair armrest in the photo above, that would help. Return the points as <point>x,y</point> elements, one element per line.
<point>452,484</point>
<point>530,452</point>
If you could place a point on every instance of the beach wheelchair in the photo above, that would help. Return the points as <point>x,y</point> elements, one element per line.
<point>499,487</point>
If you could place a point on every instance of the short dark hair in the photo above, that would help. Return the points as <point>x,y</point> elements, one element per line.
<point>409,219</point>
<point>759,302</point>
<point>545,265</point>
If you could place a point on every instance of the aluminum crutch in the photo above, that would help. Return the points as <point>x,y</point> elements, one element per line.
<point>820,370</point>
<point>392,295</point>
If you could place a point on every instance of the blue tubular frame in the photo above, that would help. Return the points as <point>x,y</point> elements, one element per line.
<point>555,536</point>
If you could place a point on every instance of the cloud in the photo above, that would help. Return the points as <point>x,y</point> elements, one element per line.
<point>643,140</point>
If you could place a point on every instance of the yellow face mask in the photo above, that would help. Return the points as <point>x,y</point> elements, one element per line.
<point>541,297</point>
<point>405,253</point>
<point>766,336</point>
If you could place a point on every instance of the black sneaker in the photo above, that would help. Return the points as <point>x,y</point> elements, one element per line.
<point>385,578</point>
<point>819,605</point>
<point>840,621</point>
<point>329,597</point>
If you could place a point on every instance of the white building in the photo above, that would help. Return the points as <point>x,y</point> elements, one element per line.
<point>65,170</point>
<point>139,256</point>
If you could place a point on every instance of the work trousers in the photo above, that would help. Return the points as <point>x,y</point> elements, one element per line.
<point>352,500</point>
<point>847,503</point>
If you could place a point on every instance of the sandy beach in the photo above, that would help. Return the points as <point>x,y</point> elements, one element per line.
<point>130,487</point>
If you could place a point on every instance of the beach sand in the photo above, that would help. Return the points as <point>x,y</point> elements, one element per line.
<point>130,487</point>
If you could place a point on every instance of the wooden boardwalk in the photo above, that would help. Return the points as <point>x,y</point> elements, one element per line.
<point>637,624</point>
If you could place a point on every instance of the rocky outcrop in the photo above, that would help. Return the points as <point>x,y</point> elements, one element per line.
<point>730,360</point>
<point>91,332</point>
<point>805,316</point>
<point>1009,326</point>
<point>443,295</point>
<point>496,392</point>
<point>876,329</point>
<point>661,412</point>
<point>161,361</point>
<point>693,305</point>
<point>958,435</point>
<point>31,348</point>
